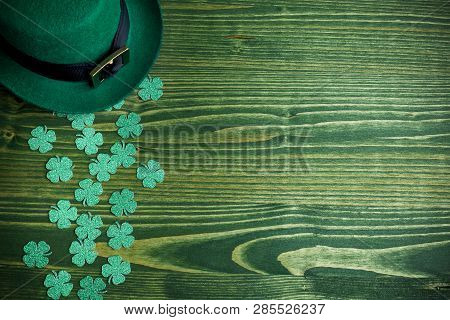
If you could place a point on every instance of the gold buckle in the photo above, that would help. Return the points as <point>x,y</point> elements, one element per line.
<point>95,76</point>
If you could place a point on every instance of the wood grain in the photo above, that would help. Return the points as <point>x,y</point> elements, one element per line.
<point>306,146</point>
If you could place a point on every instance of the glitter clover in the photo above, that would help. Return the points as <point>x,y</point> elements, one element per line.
<point>122,202</point>
<point>88,226</point>
<point>120,235</point>
<point>58,284</point>
<point>36,254</point>
<point>117,106</point>
<point>60,169</point>
<point>42,139</point>
<point>123,154</point>
<point>89,192</point>
<point>151,89</point>
<point>60,114</point>
<point>91,289</point>
<point>150,173</point>
<point>80,121</point>
<point>116,269</point>
<point>83,251</point>
<point>103,167</point>
<point>62,214</point>
<point>89,141</point>
<point>129,125</point>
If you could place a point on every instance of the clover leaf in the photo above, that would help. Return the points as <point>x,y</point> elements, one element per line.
<point>89,141</point>
<point>129,125</point>
<point>36,254</point>
<point>91,289</point>
<point>150,173</point>
<point>88,192</point>
<point>123,154</point>
<point>80,121</point>
<point>62,214</point>
<point>120,235</point>
<point>88,226</point>
<point>116,269</point>
<point>42,139</point>
<point>60,114</point>
<point>117,106</point>
<point>103,167</point>
<point>60,169</point>
<point>151,88</point>
<point>122,202</point>
<point>58,284</point>
<point>83,251</point>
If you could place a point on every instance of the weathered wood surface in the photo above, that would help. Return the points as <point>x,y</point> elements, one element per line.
<point>306,145</point>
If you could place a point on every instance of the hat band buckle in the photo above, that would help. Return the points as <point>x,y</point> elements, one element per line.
<point>100,72</point>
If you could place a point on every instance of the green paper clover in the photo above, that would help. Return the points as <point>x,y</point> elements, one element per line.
<point>60,114</point>
<point>129,125</point>
<point>42,139</point>
<point>91,289</point>
<point>117,106</point>
<point>89,141</point>
<point>122,202</point>
<point>150,173</point>
<point>58,284</point>
<point>89,192</point>
<point>83,251</point>
<point>123,154</point>
<point>60,169</point>
<point>116,269</point>
<point>151,88</point>
<point>80,121</point>
<point>103,167</point>
<point>88,226</point>
<point>36,254</point>
<point>120,235</point>
<point>62,214</point>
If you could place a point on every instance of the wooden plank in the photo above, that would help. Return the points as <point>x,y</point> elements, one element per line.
<point>306,149</point>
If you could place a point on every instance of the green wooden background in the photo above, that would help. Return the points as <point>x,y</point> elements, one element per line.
<point>306,145</point>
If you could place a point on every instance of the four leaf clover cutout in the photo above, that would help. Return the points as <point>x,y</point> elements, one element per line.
<point>122,203</point>
<point>80,121</point>
<point>123,154</point>
<point>129,125</point>
<point>103,167</point>
<point>120,235</point>
<point>116,269</point>
<point>89,141</point>
<point>88,226</point>
<point>42,139</point>
<point>36,254</point>
<point>62,214</point>
<point>150,174</point>
<point>59,169</point>
<point>151,89</point>
<point>58,284</point>
<point>83,252</point>
<point>88,192</point>
<point>91,289</point>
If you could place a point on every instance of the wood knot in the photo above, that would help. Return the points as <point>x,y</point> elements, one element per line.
<point>7,134</point>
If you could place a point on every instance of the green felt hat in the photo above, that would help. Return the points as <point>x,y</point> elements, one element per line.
<point>68,32</point>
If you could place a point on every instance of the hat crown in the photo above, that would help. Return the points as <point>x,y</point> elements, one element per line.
<point>62,31</point>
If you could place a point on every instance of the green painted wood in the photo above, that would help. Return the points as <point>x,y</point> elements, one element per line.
<point>306,145</point>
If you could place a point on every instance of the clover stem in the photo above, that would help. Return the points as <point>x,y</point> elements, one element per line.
<point>47,254</point>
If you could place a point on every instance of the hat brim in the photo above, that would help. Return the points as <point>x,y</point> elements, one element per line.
<point>144,42</point>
